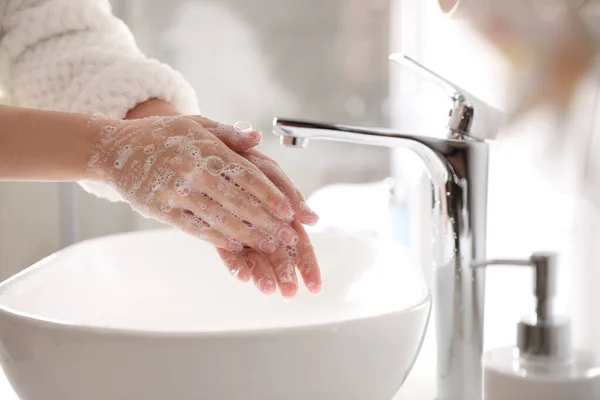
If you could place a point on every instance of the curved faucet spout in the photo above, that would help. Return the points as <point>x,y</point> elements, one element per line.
<point>297,133</point>
<point>458,170</point>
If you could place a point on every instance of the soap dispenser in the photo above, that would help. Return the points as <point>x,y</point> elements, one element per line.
<point>544,364</point>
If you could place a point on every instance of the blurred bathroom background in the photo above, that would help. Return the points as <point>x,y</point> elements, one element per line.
<point>328,61</point>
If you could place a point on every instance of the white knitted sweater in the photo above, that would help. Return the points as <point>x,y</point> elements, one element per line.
<point>74,55</point>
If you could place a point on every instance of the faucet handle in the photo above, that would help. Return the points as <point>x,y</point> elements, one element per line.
<point>469,115</point>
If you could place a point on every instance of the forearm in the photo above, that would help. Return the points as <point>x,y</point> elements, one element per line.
<point>44,145</point>
<point>40,145</point>
<point>91,66</point>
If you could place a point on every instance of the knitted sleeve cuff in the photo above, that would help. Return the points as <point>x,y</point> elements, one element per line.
<point>119,88</point>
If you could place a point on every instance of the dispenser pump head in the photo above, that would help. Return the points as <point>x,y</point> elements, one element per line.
<point>544,284</point>
<point>541,333</point>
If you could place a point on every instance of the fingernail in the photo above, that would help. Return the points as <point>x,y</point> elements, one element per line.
<point>266,285</point>
<point>288,236</point>
<point>256,135</point>
<point>244,275</point>
<point>250,264</point>
<point>234,271</point>
<point>308,216</point>
<point>285,209</point>
<point>289,290</point>
<point>267,246</point>
<point>244,130</point>
<point>235,247</point>
<point>313,288</point>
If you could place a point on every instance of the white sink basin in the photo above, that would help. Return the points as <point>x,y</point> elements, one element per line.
<point>155,316</point>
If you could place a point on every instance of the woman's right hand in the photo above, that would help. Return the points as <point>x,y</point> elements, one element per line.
<point>179,171</point>
<point>277,267</point>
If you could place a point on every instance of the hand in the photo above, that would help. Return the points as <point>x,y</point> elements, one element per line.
<point>279,267</point>
<point>267,271</point>
<point>181,170</point>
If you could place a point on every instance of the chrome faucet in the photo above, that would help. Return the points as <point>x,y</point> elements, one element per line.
<point>457,161</point>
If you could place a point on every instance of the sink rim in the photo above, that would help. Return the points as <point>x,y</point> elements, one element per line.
<point>173,334</point>
<point>51,323</point>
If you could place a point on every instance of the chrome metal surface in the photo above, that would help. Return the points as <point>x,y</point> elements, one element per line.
<point>503,261</point>
<point>458,169</point>
<point>544,286</point>
<point>468,115</point>
<point>550,338</point>
<point>457,161</point>
<point>542,334</point>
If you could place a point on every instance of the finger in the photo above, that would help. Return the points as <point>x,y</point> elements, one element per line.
<point>283,265</point>
<point>256,265</point>
<point>194,225</point>
<point>236,264</point>
<point>238,203</point>
<point>220,161</point>
<point>254,182</point>
<point>272,171</point>
<point>262,274</point>
<point>224,222</point>
<point>281,259</point>
<point>238,137</point>
<point>306,260</point>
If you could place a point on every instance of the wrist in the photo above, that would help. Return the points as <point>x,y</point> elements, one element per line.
<point>100,133</point>
<point>97,168</point>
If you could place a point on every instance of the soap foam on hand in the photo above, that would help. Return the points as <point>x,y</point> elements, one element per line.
<point>182,171</point>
